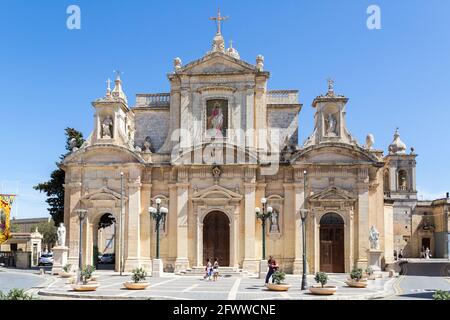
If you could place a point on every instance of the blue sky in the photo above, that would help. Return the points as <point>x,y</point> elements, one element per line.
<point>396,76</point>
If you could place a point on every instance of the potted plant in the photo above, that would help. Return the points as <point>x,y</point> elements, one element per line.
<point>370,273</point>
<point>67,271</point>
<point>356,279</point>
<point>279,285</point>
<point>87,283</point>
<point>323,289</point>
<point>138,278</point>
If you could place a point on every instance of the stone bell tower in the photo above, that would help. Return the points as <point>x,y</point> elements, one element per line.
<point>114,122</point>
<point>329,119</point>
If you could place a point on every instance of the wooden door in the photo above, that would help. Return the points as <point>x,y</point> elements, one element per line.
<point>216,238</point>
<point>332,245</point>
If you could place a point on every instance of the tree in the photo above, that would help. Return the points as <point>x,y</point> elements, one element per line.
<point>54,188</point>
<point>49,233</point>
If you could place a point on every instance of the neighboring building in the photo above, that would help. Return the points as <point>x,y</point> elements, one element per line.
<point>27,225</point>
<point>172,146</point>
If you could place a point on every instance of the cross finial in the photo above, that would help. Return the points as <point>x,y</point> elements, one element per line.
<point>118,73</point>
<point>219,20</point>
<point>108,82</point>
<point>231,43</point>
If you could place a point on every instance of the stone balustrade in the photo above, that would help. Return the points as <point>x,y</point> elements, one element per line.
<point>282,97</point>
<point>153,100</point>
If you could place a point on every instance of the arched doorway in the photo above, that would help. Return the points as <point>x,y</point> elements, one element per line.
<point>104,246</point>
<point>332,243</point>
<point>216,237</point>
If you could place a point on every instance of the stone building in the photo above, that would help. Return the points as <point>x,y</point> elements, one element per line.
<point>211,149</point>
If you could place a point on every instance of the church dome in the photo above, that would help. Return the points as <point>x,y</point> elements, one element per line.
<point>397,146</point>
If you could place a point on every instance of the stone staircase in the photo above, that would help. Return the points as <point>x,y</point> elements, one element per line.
<point>223,272</point>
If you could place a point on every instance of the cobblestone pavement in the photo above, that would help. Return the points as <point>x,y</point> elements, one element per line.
<point>226,288</point>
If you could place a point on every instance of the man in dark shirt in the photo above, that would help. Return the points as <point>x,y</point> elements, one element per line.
<point>272,264</point>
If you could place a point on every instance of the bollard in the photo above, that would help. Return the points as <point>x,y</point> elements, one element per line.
<point>391,273</point>
<point>42,271</point>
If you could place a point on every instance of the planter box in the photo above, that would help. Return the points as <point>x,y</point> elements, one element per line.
<point>278,287</point>
<point>64,274</point>
<point>86,287</point>
<point>326,290</point>
<point>136,285</point>
<point>357,284</point>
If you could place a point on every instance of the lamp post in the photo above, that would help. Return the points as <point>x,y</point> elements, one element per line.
<point>303,215</point>
<point>121,221</point>
<point>263,216</point>
<point>159,213</point>
<point>81,216</point>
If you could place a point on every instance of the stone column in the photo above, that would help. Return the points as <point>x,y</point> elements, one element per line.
<point>199,241</point>
<point>146,227</point>
<point>234,233</point>
<point>298,236</point>
<point>72,197</point>
<point>132,235</point>
<point>250,117</point>
<point>182,262</point>
<point>250,262</point>
<point>363,225</point>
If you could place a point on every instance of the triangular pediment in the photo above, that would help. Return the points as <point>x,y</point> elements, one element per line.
<point>217,62</point>
<point>216,192</point>
<point>333,194</point>
<point>103,154</point>
<point>103,193</point>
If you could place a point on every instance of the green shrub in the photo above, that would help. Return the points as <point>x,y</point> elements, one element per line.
<point>441,295</point>
<point>369,271</point>
<point>16,294</point>
<point>138,274</point>
<point>86,273</point>
<point>356,274</point>
<point>67,268</point>
<point>322,278</point>
<point>278,277</point>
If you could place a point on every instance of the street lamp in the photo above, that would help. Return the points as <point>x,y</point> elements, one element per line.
<point>303,215</point>
<point>81,216</point>
<point>159,213</point>
<point>264,215</point>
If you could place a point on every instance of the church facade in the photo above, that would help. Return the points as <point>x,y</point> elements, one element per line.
<point>211,149</point>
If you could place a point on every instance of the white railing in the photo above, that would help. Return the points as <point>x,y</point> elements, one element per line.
<point>282,97</point>
<point>153,100</point>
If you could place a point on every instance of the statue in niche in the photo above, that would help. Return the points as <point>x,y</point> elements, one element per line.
<point>107,127</point>
<point>374,238</point>
<point>147,145</point>
<point>274,226</point>
<point>331,125</point>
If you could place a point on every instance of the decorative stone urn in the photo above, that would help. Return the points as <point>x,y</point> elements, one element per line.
<point>64,274</point>
<point>136,285</point>
<point>325,290</point>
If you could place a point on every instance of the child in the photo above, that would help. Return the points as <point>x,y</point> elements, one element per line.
<point>216,269</point>
<point>207,269</point>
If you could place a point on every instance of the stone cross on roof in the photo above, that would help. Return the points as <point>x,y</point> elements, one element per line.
<point>219,20</point>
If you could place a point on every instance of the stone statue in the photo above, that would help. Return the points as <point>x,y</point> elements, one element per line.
<point>369,141</point>
<point>374,237</point>
<point>331,125</point>
<point>260,63</point>
<point>177,63</point>
<point>107,126</point>
<point>147,145</point>
<point>274,222</point>
<point>61,235</point>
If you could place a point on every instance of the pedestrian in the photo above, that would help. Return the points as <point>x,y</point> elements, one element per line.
<point>208,269</point>
<point>216,269</point>
<point>272,264</point>
<point>427,253</point>
<point>395,255</point>
<point>400,255</point>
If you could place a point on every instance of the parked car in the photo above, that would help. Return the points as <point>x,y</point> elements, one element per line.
<point>107,258</point>
<point>46,259</point>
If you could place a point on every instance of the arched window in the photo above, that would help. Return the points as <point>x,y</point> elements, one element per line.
<point>402,180</point>
<point>386,184</point>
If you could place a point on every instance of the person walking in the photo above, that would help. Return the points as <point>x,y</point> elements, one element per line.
<point>400,255</point>
<point>208,269</point>
<point>216,269</point>
<point>272,264</point>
